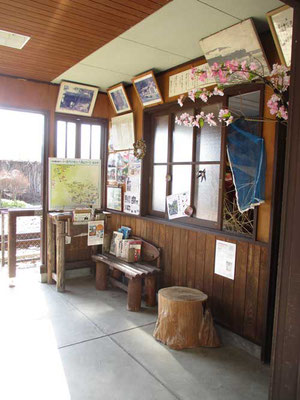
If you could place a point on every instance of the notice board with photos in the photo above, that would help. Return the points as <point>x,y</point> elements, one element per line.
<point>123,170</point>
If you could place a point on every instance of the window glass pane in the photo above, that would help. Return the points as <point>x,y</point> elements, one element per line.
<point>159,188</point>
<point>61,139</point>
<point>71,139</point>
<point>182,142</point>
<point>181,178</point>
<point>208,144</point>
<point>161,139</point>
<point>248,105</point>
<point>96,142</point>
<point>207,192</point>
<point>85,141</point>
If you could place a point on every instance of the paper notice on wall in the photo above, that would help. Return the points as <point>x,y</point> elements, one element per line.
<point>177,204</point>
<point>132,203</point>
<point>182,82</point>
<point>95,232</point>
<point>225,259</point>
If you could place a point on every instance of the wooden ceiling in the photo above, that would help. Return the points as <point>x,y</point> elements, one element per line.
<point>63,32</point>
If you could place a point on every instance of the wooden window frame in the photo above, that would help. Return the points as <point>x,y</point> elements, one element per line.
<point>148,162</point>
<point>78,120</point>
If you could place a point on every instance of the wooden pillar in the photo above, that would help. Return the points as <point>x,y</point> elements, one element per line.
<point>134,297</point>
<point>150,286</point>
<point>101,275</point>
<point>50,249</point>
<point>12,239</point>
<point>285,377</point>
<point>60,256</point>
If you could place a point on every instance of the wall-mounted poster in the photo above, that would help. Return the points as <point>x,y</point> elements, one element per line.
<point>121,135</point>
<point>114,198</point>
<point>238,42</point>
<point>119,99</point>
<point>281,25</point>
<point>177,204</point>
<point>74,98</point>
<point>74,183</point>
<point>95,232</point>
<point>182,82</point>
<point>147,89</point>
<point>225,259</point>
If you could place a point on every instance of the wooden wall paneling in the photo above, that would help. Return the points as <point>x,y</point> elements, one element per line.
<point>155,234</point>
<point>191,259</point>
<point>200,261</point>
<point>138,224</point>
<point>227,297</point>
<point>149,231</point>
<point>175,257</point>
<point>262,294</point>
<point>162,246</point>
<point>252,291</point>
<point>217,294</point>
<point>184,252</point>
<point>209,265</point>
<point>239,289</point>
<point>168,255</point>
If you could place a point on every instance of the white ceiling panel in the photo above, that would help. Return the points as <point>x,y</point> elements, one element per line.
<point>130,58</point>
<point>178,26</point>
<point>92,76</point>
<point>256,9</point>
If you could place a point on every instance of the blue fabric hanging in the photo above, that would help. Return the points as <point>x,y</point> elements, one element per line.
<point>246,153</point>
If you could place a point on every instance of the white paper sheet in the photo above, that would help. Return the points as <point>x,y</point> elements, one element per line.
<point>225,259</point>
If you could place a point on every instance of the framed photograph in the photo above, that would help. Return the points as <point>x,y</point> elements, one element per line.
<point>77,99</point>
<point>147,89</point>
<point>119,99</point>
<point>114,198</point>
<point>281,25</point>
<point>239,42</point>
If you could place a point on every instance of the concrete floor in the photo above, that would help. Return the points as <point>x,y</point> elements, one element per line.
<point>84,345</point>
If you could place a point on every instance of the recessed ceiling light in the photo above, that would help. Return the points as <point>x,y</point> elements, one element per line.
<point>13,40</point>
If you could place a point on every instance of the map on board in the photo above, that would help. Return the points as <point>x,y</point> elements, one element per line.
<point>74,183</point>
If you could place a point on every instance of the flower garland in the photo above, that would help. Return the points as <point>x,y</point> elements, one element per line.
<point>279,82</point>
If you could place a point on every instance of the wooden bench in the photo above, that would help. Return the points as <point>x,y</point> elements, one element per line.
<point>135,272</point>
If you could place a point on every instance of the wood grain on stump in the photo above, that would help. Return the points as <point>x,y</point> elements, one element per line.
<point>181,323</point>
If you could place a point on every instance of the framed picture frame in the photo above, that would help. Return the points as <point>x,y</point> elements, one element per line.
<point>77,99</point>
<point>242,44</point>
<point>114,198</point>
<point>280,21</point>
<point>118,98</point>
<point>147,89</point>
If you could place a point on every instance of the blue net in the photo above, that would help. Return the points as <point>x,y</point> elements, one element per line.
<point>246,154</point>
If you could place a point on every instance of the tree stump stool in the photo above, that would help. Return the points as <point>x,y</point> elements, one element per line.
<point>181,322</point>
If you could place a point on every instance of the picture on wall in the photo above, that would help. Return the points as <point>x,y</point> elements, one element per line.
<point>147,89</point>
<point>239,42</point>
<point>74,98</point>
<point>281,25</point>
<point>114,198</point>
<point>119,99</point>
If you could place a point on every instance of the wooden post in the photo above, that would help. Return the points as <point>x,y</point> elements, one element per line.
<point>12,237</point>
<point>134,297</point>
<point>150,286</point>
<point>101,275</point>
<point>50,249</point>
<point>60,256</point>
<point>2,240</point>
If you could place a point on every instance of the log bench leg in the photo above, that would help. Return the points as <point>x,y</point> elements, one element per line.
<point>150,286</point>
<point>134,296</point>
<point>101,275</point>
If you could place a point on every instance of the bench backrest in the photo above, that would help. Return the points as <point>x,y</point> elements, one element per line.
<point>150,253</point>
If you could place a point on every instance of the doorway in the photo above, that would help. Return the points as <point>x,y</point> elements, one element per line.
<point>22,172</point>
